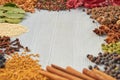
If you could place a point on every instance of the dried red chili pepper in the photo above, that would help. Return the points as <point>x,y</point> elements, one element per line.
<point>74,3</point>
<point>95,3</point>
<point>115,2</point>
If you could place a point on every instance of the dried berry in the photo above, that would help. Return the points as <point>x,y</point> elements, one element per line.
<point>111,63</point>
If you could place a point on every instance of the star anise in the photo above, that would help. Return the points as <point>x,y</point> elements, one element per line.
<point>112,31</point>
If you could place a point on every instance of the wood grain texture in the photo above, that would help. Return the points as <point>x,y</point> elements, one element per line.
<point>62,38</point>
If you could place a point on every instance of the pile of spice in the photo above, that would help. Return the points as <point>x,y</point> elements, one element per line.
<point>22,67</point>
<point>55,72</point>
<point>111,63</point>
<point>54,5</point>
<point>27,5</point>
<point>87,3</point>
<point>112,32</point>
<point>109,18</point>
<point>10,13</point>
<point>114,2</point>
<point>8,46</point>
<point>111,48</point>
<point>105,15</point>
<point>91,3</point>
<point>12,30</point>
<point>95,3</point>
<point>2,61</point>
<point>74,3</point>
<point>4,1</point>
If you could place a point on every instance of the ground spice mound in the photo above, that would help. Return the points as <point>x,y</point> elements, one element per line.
<point>11,30</point>
<point>22,67</point>
<point>27,5</point>
<point>54,5</point>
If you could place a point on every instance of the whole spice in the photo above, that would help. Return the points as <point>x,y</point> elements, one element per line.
<point>54,5</point>
<point>74,3</point>
<point>105,15</point>
<point>9,47</point>
<point>2,61</point>
<point>112,31</point>
<point>55,72</point>
<point>22,67</point>
<point>73,72</point>
<point>95,3</point>
<point>10,13</point>
<point>61,73</point>
<point>111,63</point>
<point>4,1</point>
<point>115,2</point>
<point>118,22</point>
<point>111,48</point>
<point>27,5</point>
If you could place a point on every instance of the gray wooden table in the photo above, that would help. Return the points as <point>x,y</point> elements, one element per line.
<point>62,38</point>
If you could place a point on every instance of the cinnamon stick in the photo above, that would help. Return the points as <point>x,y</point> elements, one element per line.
<point>73,72</point>
<point>59,68</point>
<point>92,74</point>
<point>107,77</point>
<point>52,76</point>
<point>61,73</point>
<point>78,74</point>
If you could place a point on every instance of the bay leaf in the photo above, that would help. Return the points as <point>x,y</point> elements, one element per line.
<point>10,15</point>
<point>12,9</point>
<point>14,21</point>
